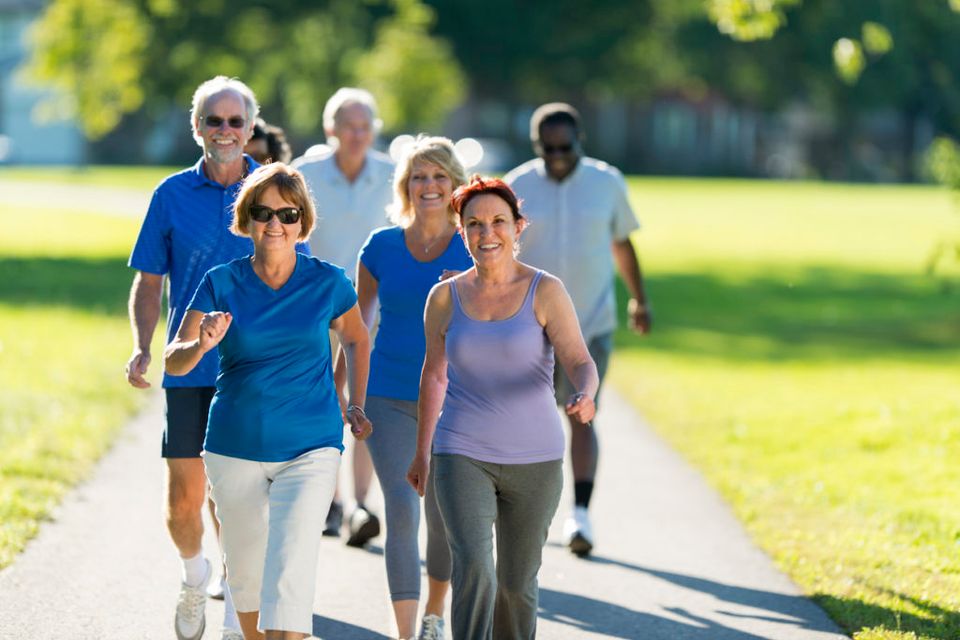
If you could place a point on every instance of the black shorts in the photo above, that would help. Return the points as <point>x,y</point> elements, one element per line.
<point>187,409</point>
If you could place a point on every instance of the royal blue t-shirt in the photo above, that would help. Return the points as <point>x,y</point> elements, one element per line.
<point>275,396</point>
<point>403,286</point>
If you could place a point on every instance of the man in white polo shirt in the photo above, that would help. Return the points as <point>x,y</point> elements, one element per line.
<point>580,225</point>
<point>352,184</point>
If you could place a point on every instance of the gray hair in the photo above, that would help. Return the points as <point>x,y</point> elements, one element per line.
<point>212,87</point>
<point>344,97</point>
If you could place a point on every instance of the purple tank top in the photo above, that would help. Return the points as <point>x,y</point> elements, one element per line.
<point>499,406</point>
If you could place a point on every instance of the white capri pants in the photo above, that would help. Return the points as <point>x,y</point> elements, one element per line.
<point>270,529</point>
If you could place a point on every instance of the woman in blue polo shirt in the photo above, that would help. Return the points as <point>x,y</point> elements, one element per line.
<point>398,266</point>
<point>275,431</point>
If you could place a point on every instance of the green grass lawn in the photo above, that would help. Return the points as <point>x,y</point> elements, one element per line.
<point>64,338</point>
<point>142,178</point>
<point>802,361</point>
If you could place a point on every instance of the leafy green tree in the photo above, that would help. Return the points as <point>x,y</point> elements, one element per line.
<point>97,77</point>
<point>109,55</point>
<point>415,74</point>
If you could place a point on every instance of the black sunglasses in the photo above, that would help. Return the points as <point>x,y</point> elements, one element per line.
<point>286,215</point>
<point>234,122</point>
<point>560,148</point>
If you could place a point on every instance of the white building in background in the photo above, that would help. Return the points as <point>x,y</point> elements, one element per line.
<point>22,139</point>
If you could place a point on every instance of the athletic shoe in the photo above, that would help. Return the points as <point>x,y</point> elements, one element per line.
<point>191,617</point>
<point>216,587</point>
<point>231,634</point>
<point>431,628</point>
<point>364,526</point>
<point>577,532</point>
<point>334,520</point>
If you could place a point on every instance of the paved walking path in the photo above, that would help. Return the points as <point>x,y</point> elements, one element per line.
<point>671,561</point>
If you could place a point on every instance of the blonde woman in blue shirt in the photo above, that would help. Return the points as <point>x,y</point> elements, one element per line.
<point>398,266</point>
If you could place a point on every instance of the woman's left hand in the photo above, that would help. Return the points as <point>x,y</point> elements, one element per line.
<point>418,473</point>
<point>360,425</point>
<point>581,407</point>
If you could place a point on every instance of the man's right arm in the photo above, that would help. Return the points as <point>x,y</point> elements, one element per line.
<point>144,308</point>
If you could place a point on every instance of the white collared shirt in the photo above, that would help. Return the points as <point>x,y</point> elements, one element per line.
<point>573,224</point>
<point>346,211</point>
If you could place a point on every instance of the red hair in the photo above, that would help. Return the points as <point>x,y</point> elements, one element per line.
<point>478,186</point>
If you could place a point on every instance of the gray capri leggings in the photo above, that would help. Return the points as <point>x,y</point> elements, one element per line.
<point>392,445</point>
<point>497,601</point>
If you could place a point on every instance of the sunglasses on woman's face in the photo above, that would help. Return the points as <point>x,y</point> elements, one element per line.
<point>234,122</point>
<point>286,215</point>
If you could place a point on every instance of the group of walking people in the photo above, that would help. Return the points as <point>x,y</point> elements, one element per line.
<point>279,274</point>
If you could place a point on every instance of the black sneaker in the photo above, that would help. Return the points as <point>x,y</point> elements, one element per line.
<point>364,526</point>
<point>334,520</point>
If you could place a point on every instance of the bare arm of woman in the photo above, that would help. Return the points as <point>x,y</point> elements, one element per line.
<point>355,344</point>
<point>433,382</point>
<point>198,333</point>
<point>367,287</point>
<point>555,311</point>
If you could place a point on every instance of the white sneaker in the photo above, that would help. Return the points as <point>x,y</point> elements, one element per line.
<point>577,532</point>
<point>431,628</point>
<point>216,587</point>
<point>191,618</point>
<point>231,634</point>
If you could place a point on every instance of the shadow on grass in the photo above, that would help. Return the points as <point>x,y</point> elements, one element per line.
<point>939,623</point>
<point>101,285</point>
<point>814,313</point>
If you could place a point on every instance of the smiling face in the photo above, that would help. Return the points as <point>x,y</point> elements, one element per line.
<point>224,144</point>
<point>274,235</point>
<point>489,229</point>
<point>560,149</point>
<point>429,188</point>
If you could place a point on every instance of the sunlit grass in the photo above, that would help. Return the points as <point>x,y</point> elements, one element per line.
<point>127,177</point>
<point>804,363</point>
<point>64,338</point>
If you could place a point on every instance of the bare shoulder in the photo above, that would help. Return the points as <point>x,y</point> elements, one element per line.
<point>439,306</point>
<point>439,296</point>
<point>550,287</point>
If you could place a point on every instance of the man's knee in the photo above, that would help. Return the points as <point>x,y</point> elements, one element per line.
<point>186,488</point>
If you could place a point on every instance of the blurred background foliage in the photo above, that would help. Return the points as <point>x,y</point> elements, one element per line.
<point>126,65</point>
<point>109,54</point>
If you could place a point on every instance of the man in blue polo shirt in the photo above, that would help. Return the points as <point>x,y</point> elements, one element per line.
<point>185,233</point>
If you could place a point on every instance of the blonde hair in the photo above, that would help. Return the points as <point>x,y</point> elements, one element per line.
<point>435,150</point>
<point>292,187</point>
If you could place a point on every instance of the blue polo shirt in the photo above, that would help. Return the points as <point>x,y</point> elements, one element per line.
<point>185,233</point>
<point>275,396</point>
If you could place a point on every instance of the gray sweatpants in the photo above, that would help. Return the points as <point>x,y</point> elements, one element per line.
<point>496,602</point>
<point>392,445</point>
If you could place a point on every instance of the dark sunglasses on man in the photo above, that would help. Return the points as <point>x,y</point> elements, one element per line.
<point>550,149</point>
<point>234,122</point>
<point>286,215</point>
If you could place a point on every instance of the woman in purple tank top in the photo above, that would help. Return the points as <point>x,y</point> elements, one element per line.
<point>497,446</point>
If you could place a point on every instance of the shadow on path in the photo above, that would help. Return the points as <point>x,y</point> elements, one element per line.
<point>617,621</point>
<point>338,630</point>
